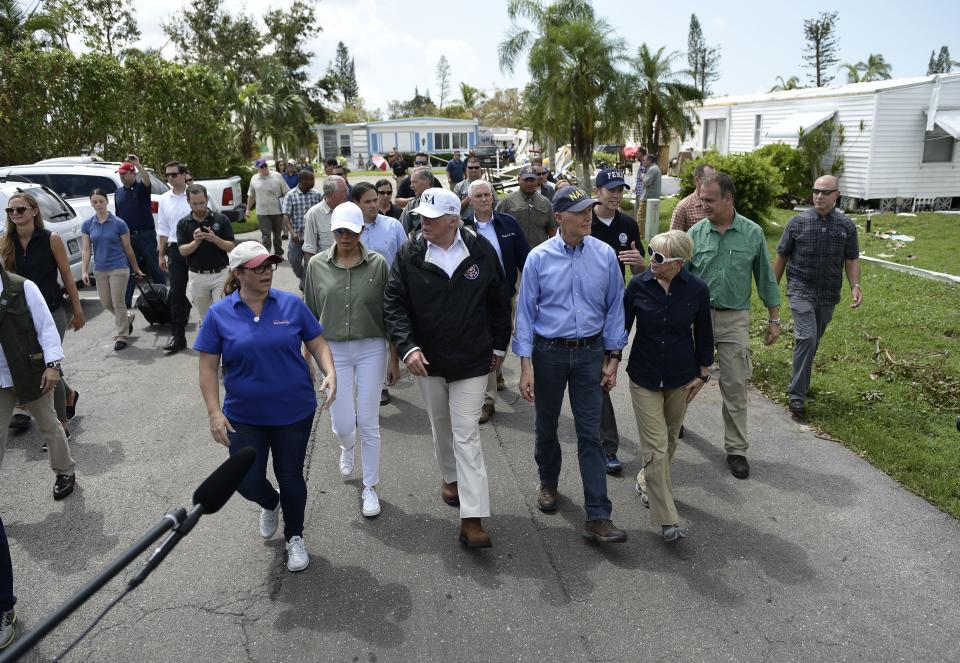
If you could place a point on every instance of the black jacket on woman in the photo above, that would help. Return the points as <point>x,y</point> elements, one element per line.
<point>456,322</point>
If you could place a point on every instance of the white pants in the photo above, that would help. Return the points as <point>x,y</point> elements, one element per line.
<point>454,411</point>
<point>206,289</point>
<point>361,366</point>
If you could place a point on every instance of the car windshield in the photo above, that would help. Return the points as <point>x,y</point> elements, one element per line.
<point>52,208</point>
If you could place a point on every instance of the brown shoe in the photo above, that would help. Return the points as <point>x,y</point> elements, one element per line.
<point>501,384</point>
<point>547,498</point>
<point>472,534</point>
<point>603,531</point>
<point>486,412</point>
<point>449,493</point>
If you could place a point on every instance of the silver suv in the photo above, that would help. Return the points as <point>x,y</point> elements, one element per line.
<point>58,216</point>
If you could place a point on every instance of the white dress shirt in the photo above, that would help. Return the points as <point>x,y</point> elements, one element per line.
<point>46,331</point>
<point>171,209</point>
<point>447,259</point>
<point>488,230</point>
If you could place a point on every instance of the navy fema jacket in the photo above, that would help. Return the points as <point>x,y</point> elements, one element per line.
<point>513,246</point>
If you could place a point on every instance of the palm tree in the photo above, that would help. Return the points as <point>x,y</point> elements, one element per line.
<point>661,97</point>
<point>853,71</point>
<point>18,26</point>
<point>578,87</point>
<point>520,38</point>
<point>470,96</point>
<point>876,68</point>
<point>792,83</point>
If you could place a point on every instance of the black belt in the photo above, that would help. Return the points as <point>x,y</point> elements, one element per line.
<point>717,308</point>
<point>137,232</point>
<point>570,342</point>
<point>207,271</point>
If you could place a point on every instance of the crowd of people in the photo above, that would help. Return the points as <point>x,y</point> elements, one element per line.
<point>440,279</point>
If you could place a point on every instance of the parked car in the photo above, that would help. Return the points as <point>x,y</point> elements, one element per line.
<point>58,216</point>
<point>224,196</point>
<point>487,154</point>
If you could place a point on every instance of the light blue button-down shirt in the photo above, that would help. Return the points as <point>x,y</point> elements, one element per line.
<point>385,236</point>
<point>570,292</point>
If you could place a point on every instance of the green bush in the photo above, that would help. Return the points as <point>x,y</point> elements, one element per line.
<point>794,172</point>
<point>758,182</point>
<point>604,159</point>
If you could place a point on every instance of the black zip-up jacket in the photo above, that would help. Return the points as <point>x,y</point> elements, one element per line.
<point>456,322</point>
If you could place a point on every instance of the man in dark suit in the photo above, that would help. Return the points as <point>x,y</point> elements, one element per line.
<point>506,236</point>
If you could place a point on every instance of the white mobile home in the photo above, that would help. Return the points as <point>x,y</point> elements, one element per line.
<point>431,135</point>
<point>901,135</point>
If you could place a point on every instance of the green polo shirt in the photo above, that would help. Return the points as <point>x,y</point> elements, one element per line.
<point>726,261</point>
<point>348,302</point>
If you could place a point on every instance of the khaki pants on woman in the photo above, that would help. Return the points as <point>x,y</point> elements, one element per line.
<point>659,417</point>
<point>112,287</point>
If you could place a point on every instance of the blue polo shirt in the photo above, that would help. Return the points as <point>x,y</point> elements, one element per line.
<point>265,377</point>
<point>105,237</point>
<point>133,206</point>
<point>457,170</point>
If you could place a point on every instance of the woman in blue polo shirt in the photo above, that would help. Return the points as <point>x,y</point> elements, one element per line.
<point>113,256</point>
<point>269,403</point>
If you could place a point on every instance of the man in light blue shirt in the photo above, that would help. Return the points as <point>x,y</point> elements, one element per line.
<point>381,234</point>
<point>570,329</point>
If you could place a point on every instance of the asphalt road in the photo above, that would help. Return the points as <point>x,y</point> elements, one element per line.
<point>817,557</point>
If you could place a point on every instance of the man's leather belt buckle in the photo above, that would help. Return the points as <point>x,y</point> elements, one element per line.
<point>574,342</point>
<point>207,271</point>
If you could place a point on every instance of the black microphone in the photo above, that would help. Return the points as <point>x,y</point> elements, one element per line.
<point>209,497</point>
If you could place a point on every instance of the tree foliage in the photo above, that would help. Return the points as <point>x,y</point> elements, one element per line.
<point>792,83</point>
<point>520,38</point>
<point>940,64</point>
<point>107,26</point>
<point>31,28</point>
<point>419,105</point>
<point>470,97</point>
<point>661,97</point>
<point>503,108</point>
<point>204,32</point>
<point>758,182</point>
<point>288,32</point>
<point>874,69</point>
<point>57,103</point>
<point>443,79</point>
<point>703,60</point>
<point>821,47</point>
<point>344,74</point>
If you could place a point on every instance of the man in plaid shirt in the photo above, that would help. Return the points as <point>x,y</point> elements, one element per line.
<point>819,244</point>
<point>689,211</point>
<point>296,202</point>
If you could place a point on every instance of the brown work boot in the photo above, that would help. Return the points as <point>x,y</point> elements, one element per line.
<point>547,498</point>
<point>472,534</point>
<point>603,531</point>
<point>501,384</point>
<point>449,493</point>
<point>486,412</point>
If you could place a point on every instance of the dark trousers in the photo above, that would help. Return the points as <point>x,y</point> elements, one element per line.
<point>289,447</point>
<point>144,245</point>
<point>554,367</point>
<point>7,599</point>
<point>609,434</point>
<point>179,305</point>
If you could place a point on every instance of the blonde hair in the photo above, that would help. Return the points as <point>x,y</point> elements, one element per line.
<point>7,254</point>
<point>675,242</point>
<point>231,284</point>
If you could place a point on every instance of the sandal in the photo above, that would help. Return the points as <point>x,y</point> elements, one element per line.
<point>71,410</point>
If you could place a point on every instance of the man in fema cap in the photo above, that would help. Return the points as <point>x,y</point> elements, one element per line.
<point>570,330</point>
<point>447,312</point>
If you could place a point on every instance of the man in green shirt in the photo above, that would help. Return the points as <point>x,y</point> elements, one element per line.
<point>728,250</point>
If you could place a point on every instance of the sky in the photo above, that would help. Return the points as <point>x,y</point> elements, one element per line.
<point>396,43</point>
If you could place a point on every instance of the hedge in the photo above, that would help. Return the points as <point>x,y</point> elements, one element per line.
<point>758,182</point>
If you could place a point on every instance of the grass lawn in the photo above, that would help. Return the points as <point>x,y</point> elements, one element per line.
<point>886,380</point>
<point>246,226</point>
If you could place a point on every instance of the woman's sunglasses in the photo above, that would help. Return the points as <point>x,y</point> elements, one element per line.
<point>19,209</point>
<point>659,258</point>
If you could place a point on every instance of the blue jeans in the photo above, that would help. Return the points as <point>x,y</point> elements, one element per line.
<point>7,599</point>
<point>289,446</point>
<point>144,245</point>
<point>554,367</point>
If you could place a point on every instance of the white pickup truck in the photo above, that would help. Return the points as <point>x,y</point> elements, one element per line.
<point>224,196</point>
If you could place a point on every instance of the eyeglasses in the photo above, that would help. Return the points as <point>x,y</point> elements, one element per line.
<point>419,163</point>
<point>343,232</point>
<point>388,192</point>
<point>824,192</point>
<point>189,180</point>
<point>173,174</point>
<point>659,258</point>
<point>261,268</point>
<point>19,209</point>
<point>473,167</point>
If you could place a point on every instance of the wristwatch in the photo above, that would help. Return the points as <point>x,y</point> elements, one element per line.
<point>705,378</point>
<point>53,364</point>
<point>618,355</point>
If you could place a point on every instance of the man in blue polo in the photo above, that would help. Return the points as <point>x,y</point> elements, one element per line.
<point>456,170</point>
<point>132,202</point>
<point>506,236</point>
<point>570,329</point>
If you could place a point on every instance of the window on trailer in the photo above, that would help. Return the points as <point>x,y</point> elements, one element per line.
<point>937,146</point>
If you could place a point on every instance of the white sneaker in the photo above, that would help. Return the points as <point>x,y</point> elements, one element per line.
<point>269,520</point>
<point>346,462</point>
<point>297,557</point>
<point>371,503</point>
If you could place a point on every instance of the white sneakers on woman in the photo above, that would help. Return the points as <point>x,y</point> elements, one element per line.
<point>346,461</point>
<point>371,503</point>
<point>297,557</point>
<point>269,520</point>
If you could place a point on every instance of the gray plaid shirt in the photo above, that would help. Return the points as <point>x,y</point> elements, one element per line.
<point>296,203</point>
<point>817,248</point>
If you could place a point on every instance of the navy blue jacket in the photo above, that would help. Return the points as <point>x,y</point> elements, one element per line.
<point>513,246</point>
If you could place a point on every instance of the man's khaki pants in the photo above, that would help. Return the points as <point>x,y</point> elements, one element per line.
<point>731,333</point>
<point>206,289</point>
<point>659,417</point>
<point>454,411</point>
<point>50,429</point>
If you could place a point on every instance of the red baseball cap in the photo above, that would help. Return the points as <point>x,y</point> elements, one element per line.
<point>126,167</point>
